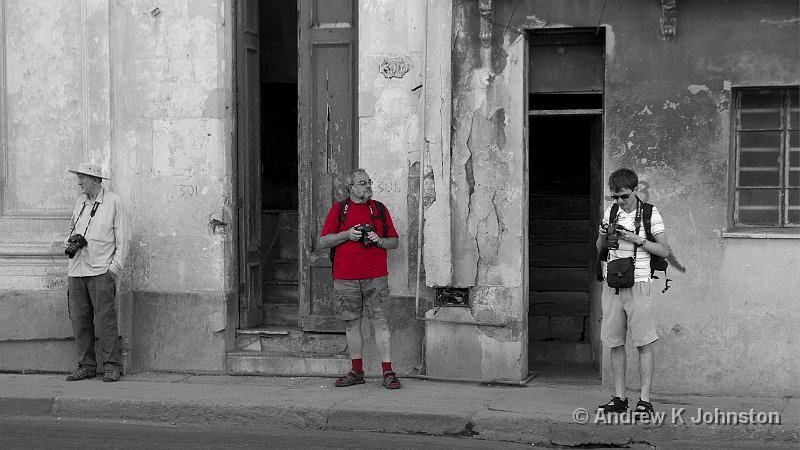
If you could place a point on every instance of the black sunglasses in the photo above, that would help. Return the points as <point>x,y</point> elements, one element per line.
<point>623,196</point>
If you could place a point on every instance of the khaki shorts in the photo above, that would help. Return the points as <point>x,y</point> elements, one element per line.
<point>353,297</point>
<point>630,311</point>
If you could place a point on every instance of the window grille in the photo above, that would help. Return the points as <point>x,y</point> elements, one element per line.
<point>767,146</point>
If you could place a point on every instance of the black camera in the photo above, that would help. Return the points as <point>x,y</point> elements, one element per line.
<point>74,243</point>
<point>365,228</point>
<point>612,235</point>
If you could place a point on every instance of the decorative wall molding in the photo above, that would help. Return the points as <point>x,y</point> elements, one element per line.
<point>395,67</point>
<point>485,8</point>
<point>485,34</point>
<point>669,18</point>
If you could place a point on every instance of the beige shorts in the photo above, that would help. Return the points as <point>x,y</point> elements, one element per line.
<point>629,312</point>
<point>357,298</point>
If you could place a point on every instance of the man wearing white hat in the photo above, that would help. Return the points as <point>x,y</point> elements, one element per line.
<point>97,246</point>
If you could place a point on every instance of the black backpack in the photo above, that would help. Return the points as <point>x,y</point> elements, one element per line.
<point>657,263</point>
<point>343,205</point>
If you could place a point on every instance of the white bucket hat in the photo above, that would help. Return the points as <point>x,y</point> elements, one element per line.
<point>89,169</point>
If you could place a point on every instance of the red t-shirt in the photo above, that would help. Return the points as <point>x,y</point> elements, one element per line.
<point>353,261</point>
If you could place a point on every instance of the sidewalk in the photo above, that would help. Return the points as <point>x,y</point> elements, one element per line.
<point>540,413</point>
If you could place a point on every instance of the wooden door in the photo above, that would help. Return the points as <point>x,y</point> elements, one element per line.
<point>248,135</point>
<point>327,142</point>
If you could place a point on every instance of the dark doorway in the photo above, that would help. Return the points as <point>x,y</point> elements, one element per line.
<point>561,245</point>
<point>278,80</point>
<point>565,102</point>
<point>295,88</point>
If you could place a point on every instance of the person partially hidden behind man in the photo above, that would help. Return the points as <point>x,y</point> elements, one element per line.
<point>96,247</point>
<point>359,230</point>
<point>629,313</point>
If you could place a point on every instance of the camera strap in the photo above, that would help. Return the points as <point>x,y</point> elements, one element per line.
<point>80,213</point>
<point>638,222</point>
<point>76,219</point>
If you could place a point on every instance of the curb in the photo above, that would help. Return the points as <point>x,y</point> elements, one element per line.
<point>479,423</point>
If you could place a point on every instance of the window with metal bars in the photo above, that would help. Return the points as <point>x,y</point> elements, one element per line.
<point>767,146</point>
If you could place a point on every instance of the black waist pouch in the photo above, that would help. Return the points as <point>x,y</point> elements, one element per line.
<point>620,273</point>
<point>658,263</point>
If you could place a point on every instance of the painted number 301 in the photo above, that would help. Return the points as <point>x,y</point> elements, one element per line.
<point>187,190</point>
<point>386,186</point>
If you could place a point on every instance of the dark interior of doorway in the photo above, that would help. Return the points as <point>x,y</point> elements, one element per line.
<point>564,153</point>
<point>278,61</point>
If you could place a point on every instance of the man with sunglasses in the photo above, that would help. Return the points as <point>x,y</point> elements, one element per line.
<point>360,273</point>
<point>628,311</point>
<point>96,259</point>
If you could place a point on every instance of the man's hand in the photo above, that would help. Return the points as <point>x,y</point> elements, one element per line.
<point>373,236</point>
<point>354,235</point>
<point>630,237</point>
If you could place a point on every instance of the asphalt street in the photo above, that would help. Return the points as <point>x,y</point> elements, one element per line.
<point>49,433</point>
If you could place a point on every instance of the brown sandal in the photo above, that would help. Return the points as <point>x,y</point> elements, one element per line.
<point>390,380</point>
<point>350,378</point>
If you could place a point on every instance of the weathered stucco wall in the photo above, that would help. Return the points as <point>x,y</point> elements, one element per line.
<point>144,91</point>
<point>389,115</point>
<point>172,146</point>
<point>404,120</point>
<point>488,223</point>
<point>55,105</point>
<point>727,324</point>
<point>392,56</point>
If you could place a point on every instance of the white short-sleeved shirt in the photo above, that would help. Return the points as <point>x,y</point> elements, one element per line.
<point>628,220</point>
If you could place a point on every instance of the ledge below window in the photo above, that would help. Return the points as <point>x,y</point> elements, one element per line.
<point>762,233</point>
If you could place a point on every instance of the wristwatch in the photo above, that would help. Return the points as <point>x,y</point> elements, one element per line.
<point>643,242</point>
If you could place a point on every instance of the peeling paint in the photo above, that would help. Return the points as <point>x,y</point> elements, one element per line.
<point>726,85</point>
<point>780,23</point>
<point>695,88</point>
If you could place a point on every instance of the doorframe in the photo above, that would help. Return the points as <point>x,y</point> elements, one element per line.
<point>307,239</point>
<point>597,159</point>
<point>238,286</point>
<point>233,256</point>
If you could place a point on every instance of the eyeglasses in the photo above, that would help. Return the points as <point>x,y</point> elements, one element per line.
<point>623,196</point>
<point>363,183</point>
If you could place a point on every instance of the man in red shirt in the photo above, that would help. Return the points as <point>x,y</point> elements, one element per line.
<point>360,274</point>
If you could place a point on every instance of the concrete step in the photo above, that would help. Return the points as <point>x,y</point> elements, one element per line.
<point>250,339</point>
<point>290,338</point>
<point>281,313</point>
<point>286,363</point>
<point>559,352</point>
<point>288,245</point>
<point>298,341</point>
<point>559,328</point>
<point>287,219</point>
<point>286,269</point>
<point>280,291</point>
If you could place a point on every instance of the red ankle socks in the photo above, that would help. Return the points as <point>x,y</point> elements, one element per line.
<point>357,365</point>
<point>386,366</point>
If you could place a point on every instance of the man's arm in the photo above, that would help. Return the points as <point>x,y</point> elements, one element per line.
<point>659,247</point>
<point>120,238</point>
<point>599,244</point>
<point>334,239</point>
<point>388,243</point>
